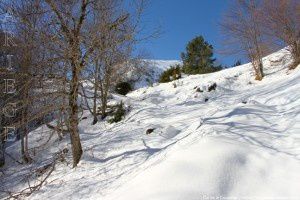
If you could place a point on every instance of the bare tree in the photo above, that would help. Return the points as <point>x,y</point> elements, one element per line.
<point>65,38</point>
<point>31,64</point>
<point>70,26</point>
<point>116,29</point>
<point>242,28</point>
<point>58,29</point>
<point>104,23</point>
<point>281,20</point>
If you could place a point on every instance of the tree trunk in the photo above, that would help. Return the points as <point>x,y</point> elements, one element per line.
<point>26,156</point>
<point>260,70</point>
<point>258,66</point>
<point>75,138</point>
<point>259,74</point>
<point>59,125</point>
<point>95,120</point>
<point>104,92</point>
<point>24,139</point>
<point>295,55</point>
<point>103,104</point>
<point>103,99</point>
<point>2,144</point>
<point>2,154</point>
<point>23,147</point>
<point>103,110</point>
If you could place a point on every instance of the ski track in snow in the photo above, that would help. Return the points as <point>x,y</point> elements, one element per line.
<point>199,149</point>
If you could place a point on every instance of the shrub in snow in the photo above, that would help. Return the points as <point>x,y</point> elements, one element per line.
<point>150,130</point>
<point>212,87</point>
<point>123,88</point>
<point>171,74</point>
<point>199,90</point>
<point>118,114</point>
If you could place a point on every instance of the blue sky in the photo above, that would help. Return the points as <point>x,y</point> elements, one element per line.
<point>181,21</point>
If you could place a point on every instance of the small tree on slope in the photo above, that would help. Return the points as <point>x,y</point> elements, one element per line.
<point>198,58</point>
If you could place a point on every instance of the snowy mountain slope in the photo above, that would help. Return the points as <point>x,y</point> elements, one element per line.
<point>152,71</point>
<point>242,140</point>
<point>241,150</point>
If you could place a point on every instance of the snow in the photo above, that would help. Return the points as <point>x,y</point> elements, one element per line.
<point>243,143</point>
<point>152,71</point>
<point>215,168</point>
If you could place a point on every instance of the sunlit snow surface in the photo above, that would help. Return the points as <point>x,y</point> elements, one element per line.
<point>244,142</point>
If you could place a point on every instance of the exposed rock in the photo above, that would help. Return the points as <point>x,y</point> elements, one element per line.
<point>150,130</point>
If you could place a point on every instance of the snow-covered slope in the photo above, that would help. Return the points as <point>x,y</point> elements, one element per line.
<point>152,71</point>
<point>241,141</point>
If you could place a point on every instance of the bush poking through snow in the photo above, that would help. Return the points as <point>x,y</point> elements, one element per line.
<point>149,131</point>
<point>199,90</point>
<point>174,85</point>
<point>118,114</point>
<point>212,87</point>
<point>171,74</point>
<point>123,88</point>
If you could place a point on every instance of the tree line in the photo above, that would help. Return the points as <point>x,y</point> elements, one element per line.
<point>58,49</point>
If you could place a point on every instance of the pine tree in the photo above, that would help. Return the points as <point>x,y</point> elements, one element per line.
<point>198,58</point>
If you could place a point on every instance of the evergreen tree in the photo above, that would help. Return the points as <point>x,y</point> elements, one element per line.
<point>198,58</point>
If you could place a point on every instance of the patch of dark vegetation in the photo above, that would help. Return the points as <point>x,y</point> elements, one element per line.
<point>174,73</point>
<point>118,113</point>
<point>123,88</point>
<point>199,90</point>
<point>212,87</point>
<point>198,57</point>
<point>149,131</point>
